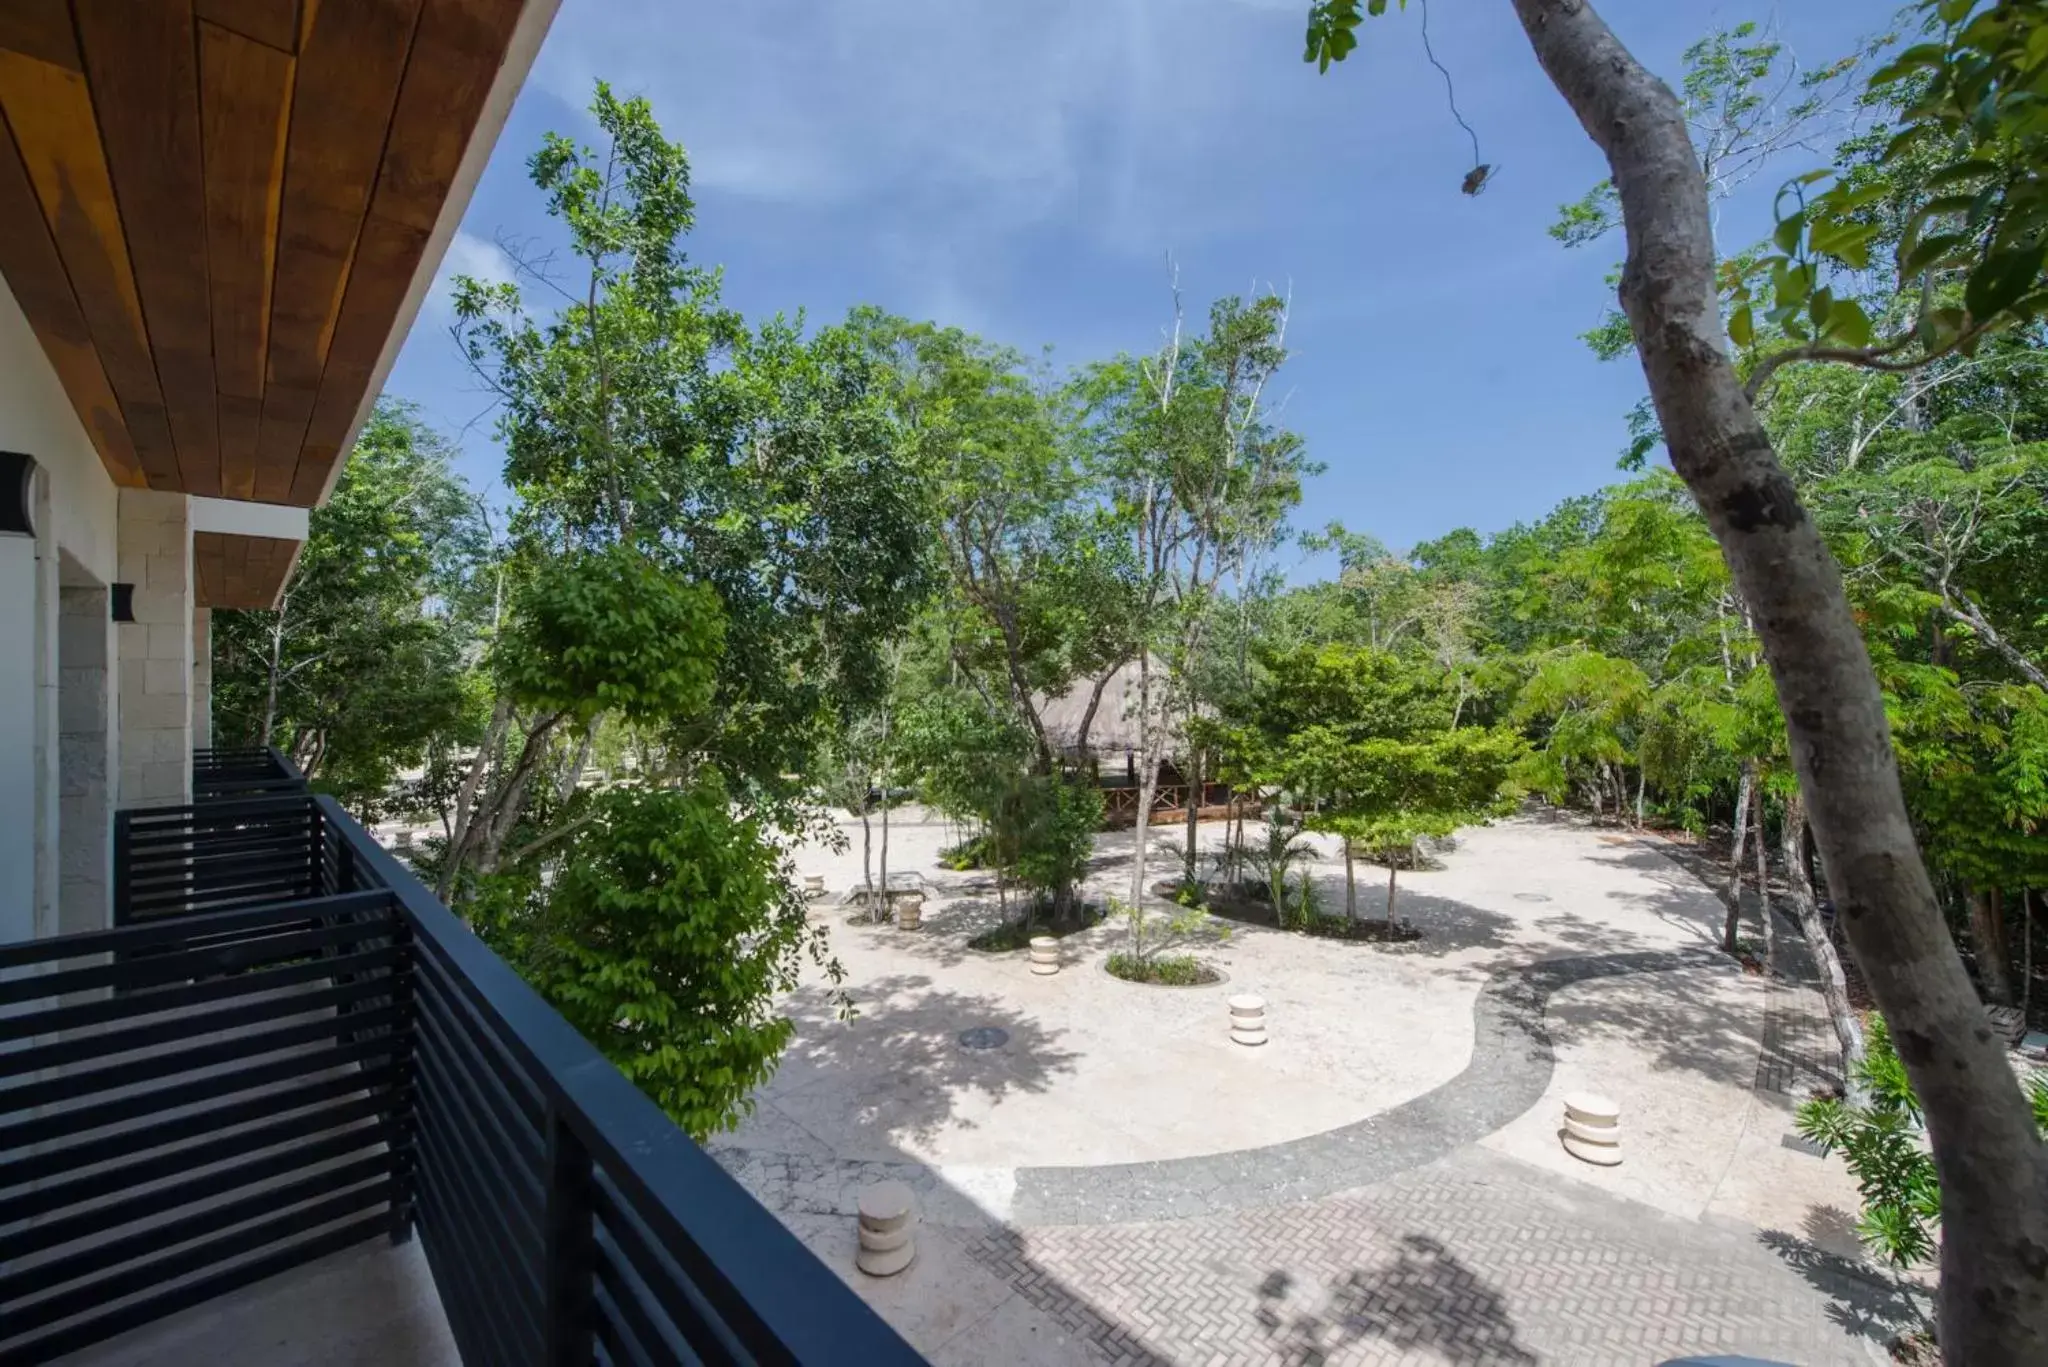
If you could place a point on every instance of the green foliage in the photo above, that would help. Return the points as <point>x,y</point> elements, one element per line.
<point>360,670</point>
<point>609,631</point>
<point>666,941</point>
<point>767,464</point>
<point>1054,836</point>
<point>1167,970</point>
<point>1153,931</point>
<point>971,853</point>
<point>1881,1140</point>
<point>1954,187</point>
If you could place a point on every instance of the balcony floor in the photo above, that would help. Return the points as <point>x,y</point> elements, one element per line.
<point>372,1305</point>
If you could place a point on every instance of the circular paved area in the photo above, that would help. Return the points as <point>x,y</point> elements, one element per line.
<point>1382,1183</point>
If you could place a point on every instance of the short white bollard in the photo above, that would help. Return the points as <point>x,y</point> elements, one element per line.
<point>886,1215</point>
<point>1045,955</point>
<point>814,885</point>
<point>910,911</point>
<point>1248,1019</point>
<point>1592,1129</point>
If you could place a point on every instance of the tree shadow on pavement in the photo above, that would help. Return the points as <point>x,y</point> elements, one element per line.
<point>898,1071</point>
<point>1685,1018</point>
<point>1427,1298</point>
<point>1861,1299</point>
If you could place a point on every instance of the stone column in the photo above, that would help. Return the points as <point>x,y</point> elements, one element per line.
<point>202,678</point>
<point>156,650</point>
<point>85,745</point>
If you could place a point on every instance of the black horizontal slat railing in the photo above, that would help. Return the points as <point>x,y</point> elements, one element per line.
<point>566,1218</point>
<point>191,1104</point>
<point>249,771</point>
<point>253,1069</point>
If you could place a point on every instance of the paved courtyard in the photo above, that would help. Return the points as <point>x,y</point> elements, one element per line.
<point>1117,1182</point>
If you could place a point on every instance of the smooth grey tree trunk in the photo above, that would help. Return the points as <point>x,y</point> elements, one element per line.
<point>1992,1165</point>
<point>1834,984</point>
<point>1763,886</point>
<point>1731,931</point>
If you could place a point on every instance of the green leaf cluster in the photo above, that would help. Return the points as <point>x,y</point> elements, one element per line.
<point>666,942</point>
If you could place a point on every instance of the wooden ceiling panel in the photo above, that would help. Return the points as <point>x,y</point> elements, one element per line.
<point>144,70</point>
<point>50,114</point>
<point>214,213</point>
<point>274,23</point>
<point>29,259</point>
<point>245,89</point>
<point>40,29</point>
<point>348,77</point>
<point>236,571</point>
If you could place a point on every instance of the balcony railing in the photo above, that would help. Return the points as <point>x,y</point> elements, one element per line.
<point>251,771</point>
<point>312,1051</point>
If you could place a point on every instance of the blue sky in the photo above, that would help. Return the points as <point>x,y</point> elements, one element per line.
<point>1023,170</point>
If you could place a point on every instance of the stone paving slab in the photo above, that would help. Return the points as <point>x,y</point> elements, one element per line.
<point>1475,1259</point>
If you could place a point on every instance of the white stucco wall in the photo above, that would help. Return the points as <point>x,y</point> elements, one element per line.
<point>75,511</point>
<point>36,417</point>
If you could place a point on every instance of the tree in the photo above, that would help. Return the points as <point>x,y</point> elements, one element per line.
<point>1983,84</point>
<point>666,941</point>
<point>1199,478</point>
<point>764,464</point>
<point>358,671</point>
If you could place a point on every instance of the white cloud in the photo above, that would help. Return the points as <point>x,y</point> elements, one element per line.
<point>468,255</point>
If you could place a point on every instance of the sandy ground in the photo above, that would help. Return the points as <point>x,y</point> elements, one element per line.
<point>1100,1071</point>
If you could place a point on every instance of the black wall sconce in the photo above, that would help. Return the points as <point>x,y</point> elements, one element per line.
<point>15,470</point>
<point>122,600</point>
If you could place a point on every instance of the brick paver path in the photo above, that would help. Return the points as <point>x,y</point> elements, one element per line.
<point>1475,1259</point>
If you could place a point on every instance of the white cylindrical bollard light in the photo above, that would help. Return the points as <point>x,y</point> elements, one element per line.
<point>887,1212</point>
<point>814,885</point>
<point>1248,1019</point>
<point>1045,955</point>
<point>910,911</point>
<point>1592,1129</point>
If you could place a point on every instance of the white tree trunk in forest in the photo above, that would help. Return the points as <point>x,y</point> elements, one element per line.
<point>867,857</point>
<point>1732,930</point>
<point>1763,884</point>
<point>1834,984</point>
<point>1350,883</point>
<point>1147,767</point>
<point>1992,1165</point>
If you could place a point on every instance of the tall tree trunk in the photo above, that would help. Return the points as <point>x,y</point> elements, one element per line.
<point>273,675</point>
<point>867,859</point>
<point>1834,985</point>
<point>1393,872</point>
<point>1350,883</point>
<point>1193,855</point>
<point>885,837</point>
<point>1642,782</point>
<point>1148,777</point>
<point>1992,1165</point>
<point>1731,931</point>
<point>2027,954</point>
<point>1986,940</point>
<point>1763,886</point>
<point>565,787</point>
<point>467,799</point>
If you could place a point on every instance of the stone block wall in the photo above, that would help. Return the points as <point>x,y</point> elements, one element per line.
<point>156,653</point>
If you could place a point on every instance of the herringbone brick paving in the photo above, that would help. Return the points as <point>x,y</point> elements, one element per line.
<point>1476,1259</point>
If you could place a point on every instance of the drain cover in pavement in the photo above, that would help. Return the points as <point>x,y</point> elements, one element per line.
<point>1532,897</point>
<point>984,1037</point>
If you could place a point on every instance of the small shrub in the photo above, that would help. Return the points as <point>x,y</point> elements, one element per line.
<point>1166,970</point>
<point>1018,934</point>
<point>971,853</point>
<point>1371,929</point>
